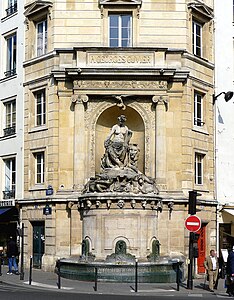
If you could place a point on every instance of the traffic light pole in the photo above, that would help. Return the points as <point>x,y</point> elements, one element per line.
<point>190,264</point>
<point>191,211</point>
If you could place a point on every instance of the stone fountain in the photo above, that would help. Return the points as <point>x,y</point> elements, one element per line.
<point>119,209</point>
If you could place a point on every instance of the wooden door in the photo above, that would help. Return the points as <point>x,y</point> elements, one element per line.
<point>201,249</point>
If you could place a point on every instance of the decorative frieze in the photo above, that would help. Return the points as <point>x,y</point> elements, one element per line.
<point>120,85</point>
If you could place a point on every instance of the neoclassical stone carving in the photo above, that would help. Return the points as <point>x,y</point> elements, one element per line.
<point>79,98</point>
<point>119,171</point>
<point>121,203</point>
<point>95,109</point>
<point>118,84</point>
<point>161,100</point>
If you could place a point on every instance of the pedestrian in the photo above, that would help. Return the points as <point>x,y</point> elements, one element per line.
<point>12,252</point>
<point>211,265</point>
<point>230,273</point>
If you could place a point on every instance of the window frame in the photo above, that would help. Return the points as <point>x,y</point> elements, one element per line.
<point>198,108</point>
<point>120,28</point>
<point>43,47</point>
<point>9,177</point>
<point>11,54</point>
<point>12,7</point>
<point>39,167</point>
<point>10,124</point>
<point>199,168</point>
<point>40,96</point>
<point>196,49</point>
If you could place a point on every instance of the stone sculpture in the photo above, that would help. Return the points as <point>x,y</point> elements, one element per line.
<point>119,169</point>
<point>116,145</point>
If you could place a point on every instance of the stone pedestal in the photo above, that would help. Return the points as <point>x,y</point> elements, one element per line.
<point>109,218</point>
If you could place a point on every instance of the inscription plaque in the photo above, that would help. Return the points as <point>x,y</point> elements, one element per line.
<point>121,59</point>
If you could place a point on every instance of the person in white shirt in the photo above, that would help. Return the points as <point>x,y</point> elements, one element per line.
<point>212,267</point>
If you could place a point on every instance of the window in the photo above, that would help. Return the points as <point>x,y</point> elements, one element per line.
<point>12,7</point>
<point>40,167</point>
<point>120,30</point>
<point>41,38</point>
<point>10,178</point>
<point>199,168</point>
<point>11,55</point>
<point>197,38</point>
<point>40,108</point>
<point>198,110</point>
<point>10,121</point>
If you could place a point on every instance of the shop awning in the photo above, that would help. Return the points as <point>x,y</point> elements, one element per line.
<point>230,211</point>
<point>4,210</point>
<point>8,214</point>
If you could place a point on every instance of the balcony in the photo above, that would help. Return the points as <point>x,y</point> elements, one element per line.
<point>9,131</point>
<point>11,9</point>
<point>9,194</point>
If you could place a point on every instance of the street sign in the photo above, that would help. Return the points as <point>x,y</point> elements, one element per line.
<point>193,223</point>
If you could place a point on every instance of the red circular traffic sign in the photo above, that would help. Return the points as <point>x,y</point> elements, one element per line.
<point>193,223</point>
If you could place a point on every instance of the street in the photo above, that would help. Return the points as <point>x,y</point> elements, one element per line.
<point>16,292</point>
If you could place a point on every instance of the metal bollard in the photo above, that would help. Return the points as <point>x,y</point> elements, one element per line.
<point>95,278</point>
<point>178,275</point>
<point>59,275</point>
<point>30,271</point>
<point>0,266</point>
<point>22,253</point>
<point>136,276</point>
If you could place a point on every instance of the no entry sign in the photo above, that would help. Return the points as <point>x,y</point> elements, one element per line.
<point>193,223</point>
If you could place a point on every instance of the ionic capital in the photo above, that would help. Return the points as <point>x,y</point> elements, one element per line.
<point>79,99</point>
<point>161,100</point>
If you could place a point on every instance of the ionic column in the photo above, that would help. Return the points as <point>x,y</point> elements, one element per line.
<point>161,102</point>
<point>79,140</point>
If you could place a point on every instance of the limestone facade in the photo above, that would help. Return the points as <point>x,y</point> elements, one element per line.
<point>86,85</point>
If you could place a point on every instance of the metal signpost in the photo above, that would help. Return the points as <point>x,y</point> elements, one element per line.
<point>193,224</point>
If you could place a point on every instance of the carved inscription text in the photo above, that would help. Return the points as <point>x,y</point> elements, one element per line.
<point>120,59</point>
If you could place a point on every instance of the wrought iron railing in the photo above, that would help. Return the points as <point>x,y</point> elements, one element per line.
<point>11,9</point>
<point>10,72</point>
<point>9,131</point>
<point>9,194</point>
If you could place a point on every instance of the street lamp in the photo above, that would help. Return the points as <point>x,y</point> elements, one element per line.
<point>227,96</point>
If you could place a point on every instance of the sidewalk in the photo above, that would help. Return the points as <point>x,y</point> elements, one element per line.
<point>48,280</point>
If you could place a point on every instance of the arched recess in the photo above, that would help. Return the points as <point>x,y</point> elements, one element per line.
<point>107,119</point>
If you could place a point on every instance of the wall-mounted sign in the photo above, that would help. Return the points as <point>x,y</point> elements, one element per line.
<point>47,210</point>
<point>49,190</point>
<point>5,203</point>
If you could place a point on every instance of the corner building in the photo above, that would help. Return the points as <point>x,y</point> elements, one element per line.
<point>86,63</point>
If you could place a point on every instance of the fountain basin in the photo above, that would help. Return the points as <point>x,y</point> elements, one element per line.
<point>148,272</point>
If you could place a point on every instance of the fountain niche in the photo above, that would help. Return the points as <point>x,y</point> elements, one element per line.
<point>119,208</point>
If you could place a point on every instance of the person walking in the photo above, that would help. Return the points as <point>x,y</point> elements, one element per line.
<point>211,265</point>
<point>230,273</point>
<point>12,252</point>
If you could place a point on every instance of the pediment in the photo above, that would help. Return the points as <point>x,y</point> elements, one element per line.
<point>120,2</point>
<point>37,7</point>
<point>201,9</point>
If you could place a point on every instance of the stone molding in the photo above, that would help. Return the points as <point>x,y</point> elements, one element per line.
<point>120,84</point>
